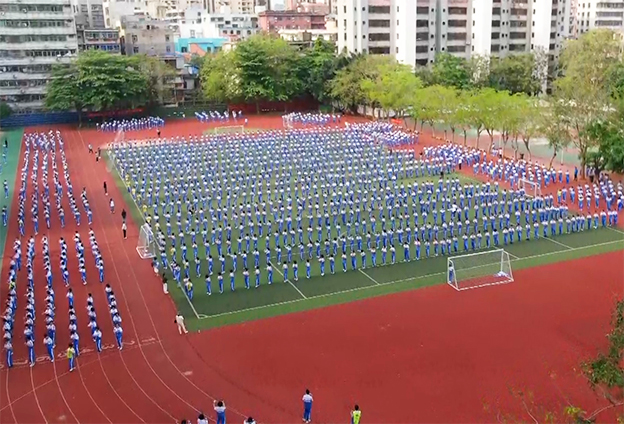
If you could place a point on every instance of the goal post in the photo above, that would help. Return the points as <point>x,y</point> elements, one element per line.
<point>147,245</point>
<point>530,188</point>
<point>480,269</point>
<point>120,137</point>
<point>230,129</point>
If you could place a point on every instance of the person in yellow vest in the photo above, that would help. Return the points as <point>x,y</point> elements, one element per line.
<point>356,414</point>
<point>71,356</point>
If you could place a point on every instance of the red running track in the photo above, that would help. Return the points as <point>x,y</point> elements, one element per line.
<point>429,355</point>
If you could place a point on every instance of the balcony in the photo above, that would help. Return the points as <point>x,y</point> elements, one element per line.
<point>39,45</point>
<point>34,105</point>
<point>65,30</point>
<point>21,16</point>
<point>34,60</point>
<point>4,76</point>
<point>16,91</point>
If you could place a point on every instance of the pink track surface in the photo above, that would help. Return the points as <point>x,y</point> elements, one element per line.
<point>431,355</point>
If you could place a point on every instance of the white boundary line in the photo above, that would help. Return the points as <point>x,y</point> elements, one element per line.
<point>558,242</point>
<point>289,282</point>
<point>272,305</point>
<point>111,157</point>
<point>368,276</point>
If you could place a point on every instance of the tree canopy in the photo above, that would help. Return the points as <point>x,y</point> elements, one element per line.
<point>98,81</point>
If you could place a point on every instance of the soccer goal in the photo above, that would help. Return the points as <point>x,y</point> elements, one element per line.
<point>147,245</point>
<point>230,129</point>
<point>479,269</point>
<point>120,137</point>
<point>530,188</point>
<point>288,122</point>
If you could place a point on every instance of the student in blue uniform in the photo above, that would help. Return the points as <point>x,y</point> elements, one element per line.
<point>307,406</point>
<point>219,407</point>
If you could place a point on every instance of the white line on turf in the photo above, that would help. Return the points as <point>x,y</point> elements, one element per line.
<point>198,316</point>
<point>289,282</point>
<point>288,302</point>
<point>368,276</point>
<point>558,242</point>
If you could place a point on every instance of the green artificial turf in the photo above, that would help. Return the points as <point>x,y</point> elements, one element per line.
<point>285,297</point>
<point>9,173</point>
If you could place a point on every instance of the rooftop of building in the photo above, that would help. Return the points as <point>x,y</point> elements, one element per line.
<point>289,13</point>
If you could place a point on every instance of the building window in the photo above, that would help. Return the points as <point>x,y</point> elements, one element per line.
<point>168,49</point>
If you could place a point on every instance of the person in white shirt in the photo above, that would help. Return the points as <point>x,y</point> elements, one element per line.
<point>307,406</point>
<point>201,419</point>
<point>249,420</point>
<point>179,320</point>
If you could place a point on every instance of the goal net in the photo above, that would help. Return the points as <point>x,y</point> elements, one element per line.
<point>120,137</point>
<point>530,188</point>
<point>147,245</point>
<point>230,129</point>
<point>479,269</point>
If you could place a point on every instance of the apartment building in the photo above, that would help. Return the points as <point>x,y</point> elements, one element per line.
<point>592,14</point>
<point>142,35</point>
<point>273,20</point>
<point>415,30</point>
<point>34,35</point>
<point>233,26</point>
<point>105,39</point>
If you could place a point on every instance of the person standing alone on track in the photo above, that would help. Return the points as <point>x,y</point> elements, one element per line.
<point>123,215</point>
<point>356,414</point>
<point>179,319</point>
<point>219,407</point>
<point>112,205</point>
<point>307,406</point>
<point>124,230</point>
<point>105,189</point>
<point>71,353</point>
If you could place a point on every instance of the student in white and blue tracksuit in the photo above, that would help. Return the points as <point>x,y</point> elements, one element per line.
<point>219,407</point>
<point>307,406</point>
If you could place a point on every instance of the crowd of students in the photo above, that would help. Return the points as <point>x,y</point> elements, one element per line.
<point>133,124</point>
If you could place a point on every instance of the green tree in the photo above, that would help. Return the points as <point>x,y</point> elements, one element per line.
<point>529,127</point>
<point>583,94</point>
<point>160,78</point>
<point>451,71</point>
<point>555,127</point>
<point>391,88</point>
<point>268,69</point>
<point>63,91</point>
<point>98,81</point>
<point>5,110</point>
<point>610,152</point>
<point>220,78</point>
<point>488,112</point>
<point>318,66</point>
<point>511,108</point>
<point>515,73</point>
<point>346,88</point>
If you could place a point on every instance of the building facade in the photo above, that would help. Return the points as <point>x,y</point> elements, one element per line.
<point>142,35</point>
<point>274,20</point>
<point>105,39</point>
<point>34,35</point>
<point>414,31</point>
<point>592,14</point>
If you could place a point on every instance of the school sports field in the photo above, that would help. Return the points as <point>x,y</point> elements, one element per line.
<point>427,355</point>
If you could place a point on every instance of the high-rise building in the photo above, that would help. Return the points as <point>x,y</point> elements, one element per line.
<point>592,14</point>
<point>415,30</point>
<point>34,35</point>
